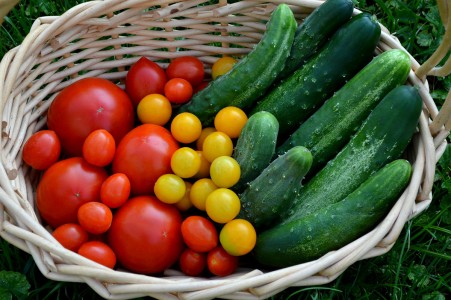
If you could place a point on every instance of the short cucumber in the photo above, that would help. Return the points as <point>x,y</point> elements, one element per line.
<point>382,138</point>
<point>274,189</point>
<point>333,124</point>
<point>348,51</point>
<point>255,147</point>
<point>314,32</point>
<point>336,225</point>
<point>252,75</point>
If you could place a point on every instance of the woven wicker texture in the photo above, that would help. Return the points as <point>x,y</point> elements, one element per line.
<point>103,38</point>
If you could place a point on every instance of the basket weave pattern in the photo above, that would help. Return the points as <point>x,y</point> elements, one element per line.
<point>102,39</point>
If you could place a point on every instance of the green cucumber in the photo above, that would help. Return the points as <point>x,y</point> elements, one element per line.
<point>383,137</point>
<point>255,147</point>
<point>333,124</point>
<point>347,52</point>
<point>336,225</point>
<point>274,189</point>
<point>251,76</point>
<point>314,32</point>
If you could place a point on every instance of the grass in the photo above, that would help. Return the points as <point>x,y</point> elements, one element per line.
<point>418,266</point>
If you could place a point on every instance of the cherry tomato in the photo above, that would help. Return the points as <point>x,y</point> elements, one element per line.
<point>199,233</point>
<point>71,236</point>
<point>146,235</point>
<point>222,66</point>
<point>42,149</point>
<point>199,192</point>
<point>201,86</point>
<point>185,162</point>
<point>178,90</point>
<point>238,237</point>
<point>144,154</point>
<point>99,148</point>
<point>170,188</point>
<point>230,120</point>
<point>204,133</point>
<point>204,169</point>
<point>154,109</point>
<point>185,203</point>
<point>225,171</point>
<point>217,144</point>
<point>186,127</point>
<point>115,190</point>
<point>189,68</point>
<point>145,77</point>
<point>95,217</point>
<point>65,186</point>
<point>192,263</point>
<point>86,105</point>
<point>99,252</point>
<point>222,205</point>
<point>221,263</point>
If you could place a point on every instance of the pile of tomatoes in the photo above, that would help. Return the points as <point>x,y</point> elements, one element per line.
<point>127,184</point>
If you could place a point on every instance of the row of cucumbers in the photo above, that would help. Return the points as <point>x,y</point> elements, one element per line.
<point>328,124</point>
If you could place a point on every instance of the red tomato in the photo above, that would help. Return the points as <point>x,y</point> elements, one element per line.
<point>145,235</point>
<point>71,236</point>
<point>178,90</point>
<point>192,263</point>
<point>42,149</point>
<point>115,190</point>
<point>99,147</point>
<point>87,105</point>
<point>187,67</point>
<point>95,217</point>
<point>99,252</point>
<point>220,263</point>
<point>199,233</point>
<point>201,86</point>
<point>144,154</point>
<point>145,77</point>
<point>64,187</point>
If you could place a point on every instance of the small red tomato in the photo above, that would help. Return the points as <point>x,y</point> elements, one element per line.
<point>201,86</point>
<point>199,233</point>
<point>187,67</point>
<point>42,149</point>
<point>115,190</point>
<point>221,263</point>
<point>192,263</point>
<point>99,148</point>
<point>99,252</point>
<point>178,90</point>
<point>95,217</point>
<point>71,236</point>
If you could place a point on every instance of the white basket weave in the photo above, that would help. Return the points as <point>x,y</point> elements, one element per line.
<point>102,39</point>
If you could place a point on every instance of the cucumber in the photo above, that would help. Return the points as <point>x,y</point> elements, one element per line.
<point>314,32</point>
<point>274,189</point>
<point>333,124</point>
<point>336,225</point>
<point>255,147</point>
<point>251,76</point>
<point>348,51</point>
<point>382,138</point>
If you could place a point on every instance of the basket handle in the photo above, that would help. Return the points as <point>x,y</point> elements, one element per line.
<point>5,7</point>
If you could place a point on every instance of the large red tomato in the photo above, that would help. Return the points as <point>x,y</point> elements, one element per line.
<point>144,154</point>
<point>64,187</point>
<point>145,235</point>
<point>86,105</point>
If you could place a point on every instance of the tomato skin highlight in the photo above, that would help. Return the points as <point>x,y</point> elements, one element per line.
<point>42,149</point>
<point>199,233</point>
<point>99,252</point>
<point>115,190</point>
<point>99,148</point>
<point>221,263</point>
<point>192,263</point>
<point>71,236</point>
<point>189,68</point>
<point>178,90</point>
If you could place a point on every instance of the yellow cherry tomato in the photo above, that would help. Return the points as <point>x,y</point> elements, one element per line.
<point>230,120</point>
<point>170,188</point>
<point>185,203</point>
<point>186,127</point>
<point>185,162</point>
<point>222,205</point>
<point>238,237</point>
<point>204,170</point>
<point>154,109</point>
<point>217,144</point>
<point>200,190</point>
<point>225,171</point>
<point>222,66</point>
<point>205,132</point>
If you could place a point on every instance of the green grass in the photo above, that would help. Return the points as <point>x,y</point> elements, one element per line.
<point>418,266</point>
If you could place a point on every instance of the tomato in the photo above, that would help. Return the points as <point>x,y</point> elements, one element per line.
<point>189,68</point>
<point>185,162</point>
<point>170,188</point>
<point>86,105</point>
<point>204,133</point>
<point>178,90</point>
<point>225,171</point>
<point>42,149</point>
<point>192,263</point>
<point>145,77</point>
<point>185,203</point>
<point>199,192</point>
<point>217,144</point>
<point>154,109</point>
<point>222,205</point>
<point>115,190</point>
<point>64,187</point>
<point>230,120</point>
<point>99,252</point>
<point>186,127</point>
<point>143,155</point>
<point>221,263</point>
<point>71,236</point>
<point>199,233</point>
<point>204,169</point>
<point>201,86</point>
<point>222,66</point>
<point>95,217</point>
<point>238,237</point>
<point>99,148</point>
<point>146,235</point>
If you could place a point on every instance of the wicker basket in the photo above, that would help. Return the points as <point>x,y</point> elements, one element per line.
<point>103,38</point>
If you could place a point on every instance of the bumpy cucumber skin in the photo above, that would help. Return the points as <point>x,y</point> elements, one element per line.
<point>252,75</point>
<point>382,138</point>
<point>255,147</point>
<point>336,225</point>
<point>274,189</point>
<point>314,32</point>
<point>333,124</point>
<point>349,50</point>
